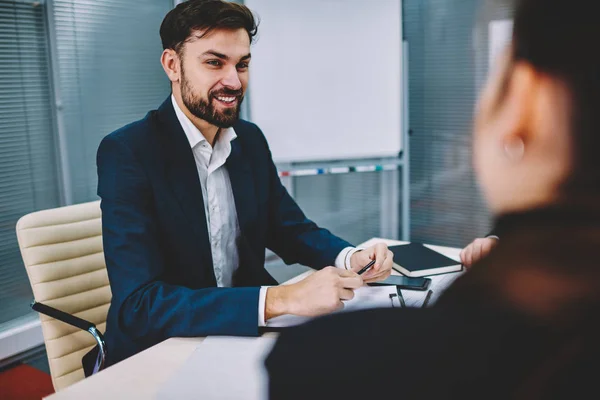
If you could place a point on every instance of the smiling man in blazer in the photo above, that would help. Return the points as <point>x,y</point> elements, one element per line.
<point>191,199</point>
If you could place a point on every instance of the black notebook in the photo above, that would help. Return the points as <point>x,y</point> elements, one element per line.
<point>416,260</point>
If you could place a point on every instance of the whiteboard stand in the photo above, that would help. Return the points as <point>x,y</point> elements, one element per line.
<point>389,202</point>
<point>389,179</point>
<point>406,146</point>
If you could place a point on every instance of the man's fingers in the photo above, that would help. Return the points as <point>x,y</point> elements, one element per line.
<point>389,261</point>
<point>381,251</point>
<point>385,267</point>
<point>378,278</point>
<point>352,282</point>
<point>346,294</point>
<point>384,270</point>
<point>346,273</point>
<point>363,259</point>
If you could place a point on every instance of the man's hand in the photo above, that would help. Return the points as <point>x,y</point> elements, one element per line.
<point>320,293</point>
<point>477,250</point>
<point>384,259</point>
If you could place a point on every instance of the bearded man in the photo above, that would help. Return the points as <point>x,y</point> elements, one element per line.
<point>191,199</point>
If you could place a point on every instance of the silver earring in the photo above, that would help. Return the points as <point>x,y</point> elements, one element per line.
<point>514,149</point>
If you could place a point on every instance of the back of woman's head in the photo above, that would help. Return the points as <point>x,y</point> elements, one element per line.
<point>561,38</point>
<point>537,128</point>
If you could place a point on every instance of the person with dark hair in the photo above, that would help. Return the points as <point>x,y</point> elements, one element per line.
<point>191,198</point>
<point>522,324</point>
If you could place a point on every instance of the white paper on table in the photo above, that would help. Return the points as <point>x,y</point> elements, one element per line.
<point>222,368</point>
<point>364,298</point>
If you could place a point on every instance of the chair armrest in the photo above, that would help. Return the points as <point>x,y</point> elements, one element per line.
<point>78,323</point>
<point>62,316</point>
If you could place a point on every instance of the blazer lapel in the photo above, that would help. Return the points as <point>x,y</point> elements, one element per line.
<point>182,174</point>
<point>242,184</point>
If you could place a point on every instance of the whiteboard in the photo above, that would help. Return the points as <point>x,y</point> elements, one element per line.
<point>326,78</point>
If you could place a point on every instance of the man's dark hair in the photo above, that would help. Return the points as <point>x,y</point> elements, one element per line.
<point>560,38</point>
<point>206,16</point>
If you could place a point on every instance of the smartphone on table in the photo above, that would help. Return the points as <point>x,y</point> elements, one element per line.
<point>405,282</point>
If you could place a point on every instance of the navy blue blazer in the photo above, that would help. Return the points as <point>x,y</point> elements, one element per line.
<point>156,241</point>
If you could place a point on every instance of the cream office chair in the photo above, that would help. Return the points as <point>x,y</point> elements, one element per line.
<point>63,255</point>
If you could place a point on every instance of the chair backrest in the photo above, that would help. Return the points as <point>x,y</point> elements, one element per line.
<point>63,254</point>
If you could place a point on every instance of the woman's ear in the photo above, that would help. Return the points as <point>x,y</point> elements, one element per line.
<point>517,107</point>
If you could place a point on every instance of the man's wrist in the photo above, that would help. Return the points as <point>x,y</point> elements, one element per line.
<point>276,302</point>
<point>341,261</point>
<point>348,261</point>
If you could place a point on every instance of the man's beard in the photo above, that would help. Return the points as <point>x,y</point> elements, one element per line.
<point>205,109</point>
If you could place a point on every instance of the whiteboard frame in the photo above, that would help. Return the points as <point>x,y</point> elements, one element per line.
<point>385,139</point>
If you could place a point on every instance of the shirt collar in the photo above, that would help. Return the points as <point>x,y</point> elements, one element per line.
<point>193,134</point>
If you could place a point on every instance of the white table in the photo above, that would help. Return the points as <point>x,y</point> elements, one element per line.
<point>142,376</point>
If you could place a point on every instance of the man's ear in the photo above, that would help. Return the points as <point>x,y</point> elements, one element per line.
<point>518,105</point>
<point>171,64</point>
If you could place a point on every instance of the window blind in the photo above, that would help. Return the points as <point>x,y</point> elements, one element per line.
<point>109,75</point>
<point>28,176</point>
<point>447,67</point>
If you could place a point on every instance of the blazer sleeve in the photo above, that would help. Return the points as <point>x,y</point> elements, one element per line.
<point>294,237</point>
<point>149,309</point>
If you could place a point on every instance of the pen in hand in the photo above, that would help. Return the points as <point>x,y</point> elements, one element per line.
<point>366,267</point>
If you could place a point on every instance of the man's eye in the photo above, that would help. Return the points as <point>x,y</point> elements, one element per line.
<point>243,65</point>
<point>214,63</point>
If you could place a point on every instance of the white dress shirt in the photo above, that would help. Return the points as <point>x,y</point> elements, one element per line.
<point>219,205</point>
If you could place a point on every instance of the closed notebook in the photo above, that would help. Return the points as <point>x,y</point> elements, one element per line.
<point>416,260</point>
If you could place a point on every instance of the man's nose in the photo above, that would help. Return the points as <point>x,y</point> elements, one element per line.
<point>232,79</point>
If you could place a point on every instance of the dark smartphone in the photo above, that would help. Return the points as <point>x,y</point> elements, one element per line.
<point>405,282</point>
